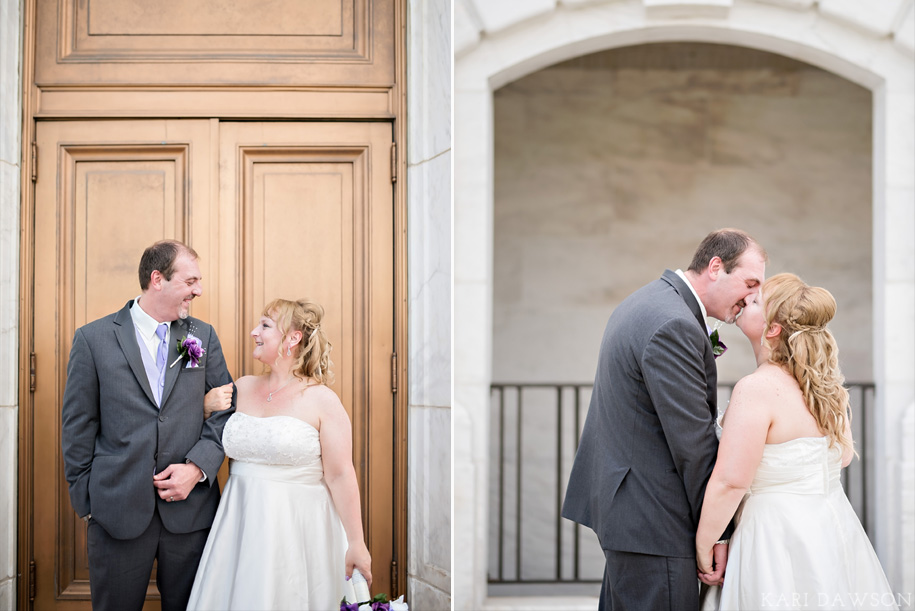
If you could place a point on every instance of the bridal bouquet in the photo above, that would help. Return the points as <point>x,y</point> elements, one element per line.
<point>379,603</point>
<point>360,592</point>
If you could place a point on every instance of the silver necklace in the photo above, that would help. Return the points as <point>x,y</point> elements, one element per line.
<point>270,394</point>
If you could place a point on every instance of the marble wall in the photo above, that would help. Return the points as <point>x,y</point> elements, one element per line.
<point>10,153</point>
<point>429,235</point>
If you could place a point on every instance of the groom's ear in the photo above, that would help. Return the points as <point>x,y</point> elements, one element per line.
<point>715,265</point>
<point>155,279</point>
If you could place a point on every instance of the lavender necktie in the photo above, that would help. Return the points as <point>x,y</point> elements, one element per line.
<point>161,357</point>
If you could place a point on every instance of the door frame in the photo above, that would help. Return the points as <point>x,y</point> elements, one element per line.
<point>395,113</point>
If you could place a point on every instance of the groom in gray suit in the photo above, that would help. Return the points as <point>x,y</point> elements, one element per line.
<point>140,459</point>
<point>648,445</point>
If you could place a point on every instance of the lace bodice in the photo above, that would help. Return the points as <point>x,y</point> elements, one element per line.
<point>275,440</point>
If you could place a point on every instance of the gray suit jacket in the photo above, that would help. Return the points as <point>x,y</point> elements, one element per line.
<point>648,445</point>
<point>114,437</point>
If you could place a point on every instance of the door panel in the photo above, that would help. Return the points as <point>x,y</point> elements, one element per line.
<point>315,206</point>
<point>104,190</point>
<point>303,43</point>
<point>293,210</point>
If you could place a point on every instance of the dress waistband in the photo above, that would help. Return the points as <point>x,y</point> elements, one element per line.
<point>293,474</point>
<point>802,479</point>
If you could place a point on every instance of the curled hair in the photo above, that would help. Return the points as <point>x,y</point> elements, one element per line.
<point>312,354</point>
<point>161,257</point>
<point>729,245</point>
<point>806,349</point>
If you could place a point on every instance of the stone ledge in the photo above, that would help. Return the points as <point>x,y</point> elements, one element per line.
<point>531,603</point>
<point>874,18</point>
<point>496,16</point>
<point>795,4</point>
<point>687,9</point>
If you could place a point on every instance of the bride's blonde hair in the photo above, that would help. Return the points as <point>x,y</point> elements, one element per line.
<point>312,354</point>
<point>806,349</point>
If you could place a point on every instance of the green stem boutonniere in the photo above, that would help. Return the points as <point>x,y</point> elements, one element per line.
<point>718,347</point>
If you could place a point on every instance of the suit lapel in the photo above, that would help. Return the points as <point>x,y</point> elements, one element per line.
<point>176,332</point>
<point>687,295</point>
<point>126,333</point>
<point>711,370</point>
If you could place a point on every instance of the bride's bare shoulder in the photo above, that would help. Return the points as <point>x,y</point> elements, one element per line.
<point>246,382</point>
<point>761,385</point>
<point>324,396</point>
<point>325,401</point>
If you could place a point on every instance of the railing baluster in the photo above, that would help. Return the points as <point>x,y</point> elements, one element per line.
<point>518,490</point>
<point>865,447</point>
<point>559,483</point>
<point>501,482</point>
<point>577,531</point>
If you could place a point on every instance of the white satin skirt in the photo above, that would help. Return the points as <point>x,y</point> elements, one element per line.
<point>798,542</point>
<point>276,543</point>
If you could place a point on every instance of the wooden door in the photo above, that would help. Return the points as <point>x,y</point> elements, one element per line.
<point>275,210</point>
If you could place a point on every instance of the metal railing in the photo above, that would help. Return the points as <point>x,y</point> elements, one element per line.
<point>534,436</point>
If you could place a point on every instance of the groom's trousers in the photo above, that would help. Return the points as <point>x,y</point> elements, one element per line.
<point>119,570</point>
<point>636,582</point>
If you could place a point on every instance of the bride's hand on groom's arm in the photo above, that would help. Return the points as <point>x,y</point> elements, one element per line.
<point>217,400</point>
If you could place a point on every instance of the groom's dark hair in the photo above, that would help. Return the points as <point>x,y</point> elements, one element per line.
<point>161,256</point>
<point>728,244</point>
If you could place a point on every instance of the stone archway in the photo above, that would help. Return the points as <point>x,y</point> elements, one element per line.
<point>498,42</point>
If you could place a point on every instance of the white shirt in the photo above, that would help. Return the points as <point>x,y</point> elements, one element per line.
<point>147,326</point>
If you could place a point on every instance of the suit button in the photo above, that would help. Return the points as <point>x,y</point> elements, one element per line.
<point>161,418</point>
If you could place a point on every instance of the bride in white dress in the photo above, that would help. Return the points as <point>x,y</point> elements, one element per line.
<point>289,525</point>
<point>798,542</point>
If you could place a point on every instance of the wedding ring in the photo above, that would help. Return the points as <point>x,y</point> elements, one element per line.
<point>170,499</point>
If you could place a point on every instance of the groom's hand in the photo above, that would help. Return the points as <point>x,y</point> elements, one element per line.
<point>719,558</point>
<point>176,481</point>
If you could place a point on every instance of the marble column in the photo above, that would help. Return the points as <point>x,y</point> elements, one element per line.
<point>10,154</point>
<point>429,242</point>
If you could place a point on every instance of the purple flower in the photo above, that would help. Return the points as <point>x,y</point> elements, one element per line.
<point>348,607</point>
<point>191,347</point>
<point>194,348</point>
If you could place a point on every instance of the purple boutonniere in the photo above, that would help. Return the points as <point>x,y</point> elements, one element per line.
<point>190,347</point>
<point>718,347</point>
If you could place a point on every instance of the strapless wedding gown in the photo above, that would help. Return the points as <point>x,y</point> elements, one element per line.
<point>277,541</point>
<point>798,543</point>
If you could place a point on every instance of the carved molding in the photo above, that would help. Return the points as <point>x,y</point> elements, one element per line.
<point>168,42</point>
